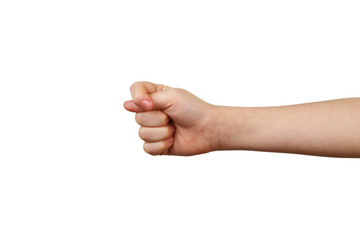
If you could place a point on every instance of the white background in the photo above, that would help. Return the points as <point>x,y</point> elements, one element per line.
<point>72,164</point>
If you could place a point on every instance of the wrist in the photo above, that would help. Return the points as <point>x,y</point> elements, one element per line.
<point>231,128</point>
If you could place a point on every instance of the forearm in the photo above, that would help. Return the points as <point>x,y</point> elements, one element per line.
<point>329,128</point>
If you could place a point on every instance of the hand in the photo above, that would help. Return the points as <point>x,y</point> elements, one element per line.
<point>173,121</point>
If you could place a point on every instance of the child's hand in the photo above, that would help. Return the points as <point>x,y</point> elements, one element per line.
<point>172,120</point>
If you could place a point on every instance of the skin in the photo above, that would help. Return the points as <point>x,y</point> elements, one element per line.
<point>175,122</point>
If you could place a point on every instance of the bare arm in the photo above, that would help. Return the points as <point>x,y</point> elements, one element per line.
<point>328,128</point>
<point>175,122</point>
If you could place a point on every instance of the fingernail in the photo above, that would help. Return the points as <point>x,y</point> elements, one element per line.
<point>146,104</point>
<point>128,103</point>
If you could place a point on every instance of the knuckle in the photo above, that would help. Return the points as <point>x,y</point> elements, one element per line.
<point>142,133</point>
<point>134,89</point>
<point>138,118</point>
<point>154,148</point>
<point>148,149</point>
<point>133,86</point>
<point>160,87</point>
<point>179,90</point>
<point>173,91</point>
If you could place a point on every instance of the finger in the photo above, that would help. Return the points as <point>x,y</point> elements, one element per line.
<point>160,101</point>
<point>158,148</point>
<point>156,134</point>
<point>152,119</point>
<point>164,99</point>
<point>140,93</point>
<point>132,107</point>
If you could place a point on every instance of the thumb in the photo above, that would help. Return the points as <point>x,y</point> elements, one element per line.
<point>141,94</point>
<point>162,100</point>
<point>159,101</point>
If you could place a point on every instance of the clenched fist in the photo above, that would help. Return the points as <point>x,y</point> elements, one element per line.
<point>172,120</point>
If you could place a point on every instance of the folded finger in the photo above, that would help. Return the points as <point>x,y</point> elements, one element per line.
<point>156,134</point>
<point>152,119</point>
<point>158,148</point>
<point>132,107</point>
